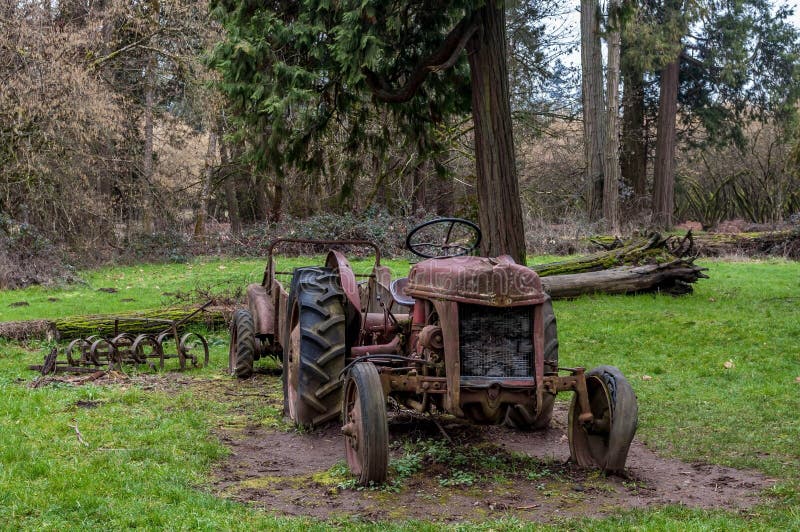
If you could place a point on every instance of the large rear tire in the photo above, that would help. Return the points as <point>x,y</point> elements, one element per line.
<point>241,351</point>
<point>366,431</point>
<point>605,442</point>
<point>524,417</point>
<point>314,356</point>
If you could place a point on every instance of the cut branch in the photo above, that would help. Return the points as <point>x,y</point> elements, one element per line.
<point>442,59</point>
<point>79,435</point>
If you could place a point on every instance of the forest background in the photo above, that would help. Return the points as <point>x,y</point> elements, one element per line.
<point>124,134</point>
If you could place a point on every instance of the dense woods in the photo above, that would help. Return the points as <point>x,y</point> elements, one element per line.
<point>130,125</point>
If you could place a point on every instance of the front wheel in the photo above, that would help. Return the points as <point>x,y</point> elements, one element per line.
<point>604,442</point>
<point>366,431</point>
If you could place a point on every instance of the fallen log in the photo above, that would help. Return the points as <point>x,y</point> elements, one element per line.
<point>675,277</point>
<point>653,249</point>
<point>104,324</point>
<point>136,322</point>
<point>28,330</point>
<point>772,243</point>
<point>784,243</point>
<point>644,264</point>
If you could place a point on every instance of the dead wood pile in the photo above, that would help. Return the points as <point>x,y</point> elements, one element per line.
<point>651,264</point>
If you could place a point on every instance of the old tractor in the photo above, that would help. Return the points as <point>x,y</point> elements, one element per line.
<point>469,336</point>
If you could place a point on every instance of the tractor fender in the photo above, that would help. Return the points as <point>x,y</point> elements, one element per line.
<point>262,310</point>
<point>337,262</point>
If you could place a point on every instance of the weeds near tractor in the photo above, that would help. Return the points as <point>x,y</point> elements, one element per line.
<point>456,465</point>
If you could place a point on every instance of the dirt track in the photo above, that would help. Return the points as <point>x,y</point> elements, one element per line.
<point>290,473</point>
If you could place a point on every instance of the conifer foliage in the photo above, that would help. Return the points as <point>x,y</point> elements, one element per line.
<point>297,69</point>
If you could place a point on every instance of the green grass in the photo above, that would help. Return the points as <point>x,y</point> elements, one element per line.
<point>150,450</point>
<point>694,407</point>
<point>148,454</point>
<point>151,286</point>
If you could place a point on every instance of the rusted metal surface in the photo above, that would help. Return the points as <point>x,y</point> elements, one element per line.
<point>262,309</point>
<point>538,355</point>
<point>270,269</point>
<point>97,352</point>
<point>476,280</point>
<point>448,319</point>
<point>463,335</point>
<point>410,381</point>
<point>392,347</point>
<point>339,263</point>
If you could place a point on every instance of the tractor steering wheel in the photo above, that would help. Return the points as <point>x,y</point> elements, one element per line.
<point>444,237</point>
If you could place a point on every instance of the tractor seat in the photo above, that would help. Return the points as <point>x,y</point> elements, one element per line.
<point>398,290</point>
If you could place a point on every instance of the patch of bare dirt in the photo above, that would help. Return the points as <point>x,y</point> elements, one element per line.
<point>289,473</point>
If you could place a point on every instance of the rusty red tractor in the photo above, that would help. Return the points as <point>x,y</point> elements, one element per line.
<point>469,336</point>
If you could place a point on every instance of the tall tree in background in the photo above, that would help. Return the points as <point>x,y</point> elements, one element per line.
<point>601,110</point>
<point>633,152</point>
<point>593,106</point>
<point>718,66</point>
<point>673,15</point>
<point>611,165</point>
<point>297,69</point>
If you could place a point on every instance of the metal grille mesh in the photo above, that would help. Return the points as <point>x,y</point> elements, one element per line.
<point>495,342</point>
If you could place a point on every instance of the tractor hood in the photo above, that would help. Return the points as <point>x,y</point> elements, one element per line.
<point>498,282</point>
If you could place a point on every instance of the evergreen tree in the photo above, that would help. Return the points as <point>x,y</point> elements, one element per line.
<point>298,69</point>
<point>718,64</point>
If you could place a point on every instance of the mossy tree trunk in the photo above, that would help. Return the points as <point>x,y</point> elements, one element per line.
<point>637,252</point>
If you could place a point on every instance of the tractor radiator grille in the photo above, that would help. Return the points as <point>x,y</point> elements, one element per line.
<point>495,342</point>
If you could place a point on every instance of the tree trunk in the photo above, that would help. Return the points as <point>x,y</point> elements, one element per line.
<point>418,184</point>
<point>444,197</point>
<point>611,169</point>
<point>229,184</point>
<point>147,151</point>
<point>634,138</point>
<point>593,109</point>
<point>262,199</point>
<point>675,277</point>
<point>664,167</point>
<point>651,250</point>
<point>277,200</point>
<point>499,207</point>
<point>205,189</point>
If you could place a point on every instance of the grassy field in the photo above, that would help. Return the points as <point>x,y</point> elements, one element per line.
<point>151,444</point>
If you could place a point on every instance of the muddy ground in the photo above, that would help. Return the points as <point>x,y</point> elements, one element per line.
<point>448,471</point>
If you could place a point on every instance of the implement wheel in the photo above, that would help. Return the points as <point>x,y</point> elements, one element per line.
<point>366,431</point>
<point>242,346</point>
<point>523,417</point>
<point>604,442</point>
<point>315,355</point>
